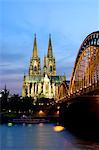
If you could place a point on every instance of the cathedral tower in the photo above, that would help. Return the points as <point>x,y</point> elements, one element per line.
<point>37,84</point>
<point>49,61</point>
<point>35,68</point>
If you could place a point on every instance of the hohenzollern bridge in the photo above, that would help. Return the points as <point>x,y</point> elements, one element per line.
<point>79,103</point>
<point>85,76</point>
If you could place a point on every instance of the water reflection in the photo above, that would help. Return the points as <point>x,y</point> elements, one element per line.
<point>58,128</point>
<point>41,124</point>
<point>41,137</point>
<point>29,125</point>
<point>10,124</point>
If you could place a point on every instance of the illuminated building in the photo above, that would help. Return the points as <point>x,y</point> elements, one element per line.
<point>42,83</point>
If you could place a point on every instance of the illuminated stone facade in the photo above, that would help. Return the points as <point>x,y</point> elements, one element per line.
<point>42,83</point>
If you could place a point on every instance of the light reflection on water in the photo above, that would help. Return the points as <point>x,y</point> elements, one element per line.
<point>40,137</point>
<point>58,128</point>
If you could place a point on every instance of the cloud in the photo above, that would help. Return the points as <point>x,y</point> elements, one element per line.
<point>11,57</point>
<point>4,65</point>
<point>13,71</point>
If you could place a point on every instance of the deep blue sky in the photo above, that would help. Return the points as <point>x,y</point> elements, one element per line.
<point>68,21</point>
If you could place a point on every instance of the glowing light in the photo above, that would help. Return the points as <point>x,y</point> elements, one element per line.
<point>0,95</point>
<point>40,112</point>
<point>58,128</point>
<point>10,124</point>
<point>58,107</point>
<point>58,112</point>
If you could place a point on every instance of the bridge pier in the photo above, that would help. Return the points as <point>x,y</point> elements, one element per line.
<point>81,114</point>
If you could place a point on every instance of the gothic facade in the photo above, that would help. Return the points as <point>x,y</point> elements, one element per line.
<point>42,83</point>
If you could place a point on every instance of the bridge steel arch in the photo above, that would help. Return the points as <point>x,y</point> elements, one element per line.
<point>85,75</point>
<point>63,90</point>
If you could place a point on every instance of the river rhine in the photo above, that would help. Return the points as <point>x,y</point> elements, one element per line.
<point>41,137</point>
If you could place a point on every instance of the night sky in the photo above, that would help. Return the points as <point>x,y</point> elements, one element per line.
<point>68,21</point>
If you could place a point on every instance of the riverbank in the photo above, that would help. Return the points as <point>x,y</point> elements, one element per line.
<point>28,119</point>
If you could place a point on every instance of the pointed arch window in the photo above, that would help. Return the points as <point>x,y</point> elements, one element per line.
<point>51,68</point>
<point>35,68</point>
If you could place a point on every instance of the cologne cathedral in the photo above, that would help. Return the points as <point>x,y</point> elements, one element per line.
<point>42,83</point>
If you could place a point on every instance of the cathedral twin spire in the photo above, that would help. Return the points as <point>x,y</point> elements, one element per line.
<point>49,61</point>
<point>42,83</point>
<point>35,50</point>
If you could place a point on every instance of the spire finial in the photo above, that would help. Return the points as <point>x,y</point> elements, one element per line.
<point>49,35</point>
<point>5,87</point>
<point>50,53</point>
<point>34,35</point>
<point>35,51</point>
